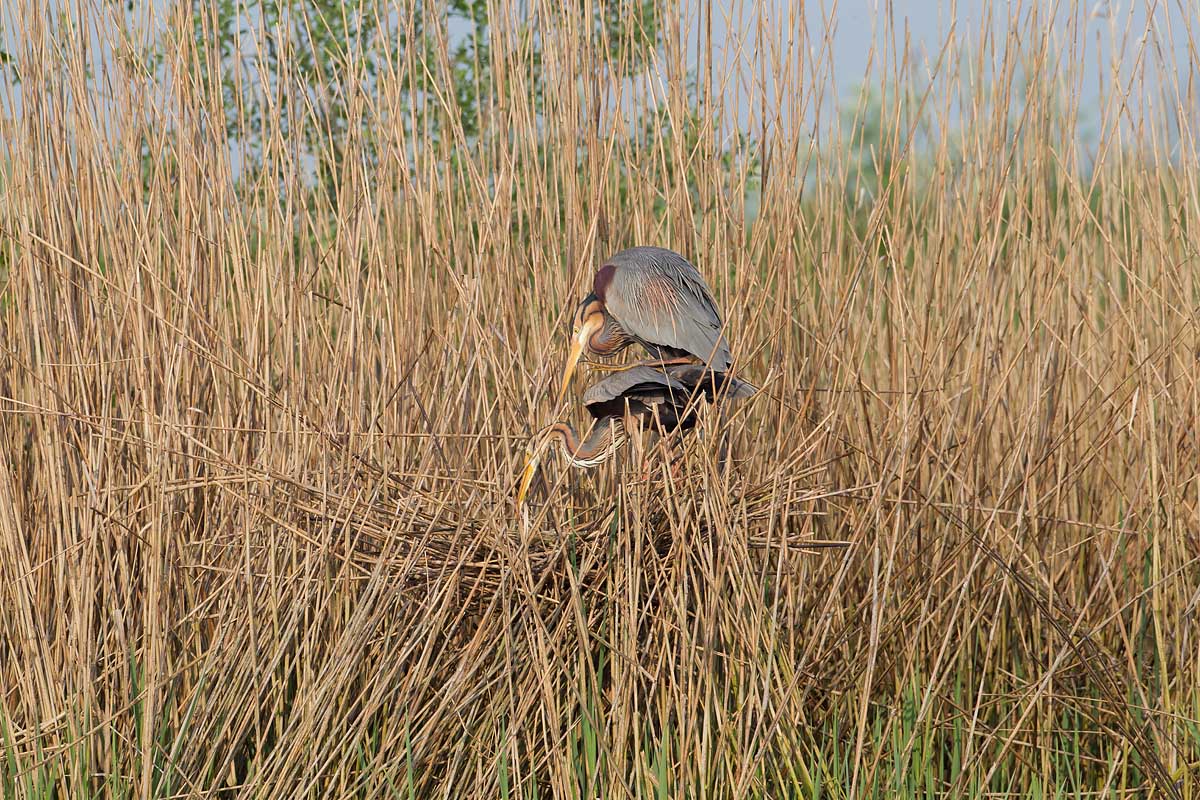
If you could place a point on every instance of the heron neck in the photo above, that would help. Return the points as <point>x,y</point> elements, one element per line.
<point>610,339</point>
<point>599,446</point>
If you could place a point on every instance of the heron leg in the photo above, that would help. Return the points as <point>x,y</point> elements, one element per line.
<point>664,444</point>
<point>671,457</point>
<point>633,430</point>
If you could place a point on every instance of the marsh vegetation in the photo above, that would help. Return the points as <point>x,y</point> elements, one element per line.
<point>283,293</point>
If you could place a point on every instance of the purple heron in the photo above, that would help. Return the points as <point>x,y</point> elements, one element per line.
<point>662,396</point>
<point>655,297</point>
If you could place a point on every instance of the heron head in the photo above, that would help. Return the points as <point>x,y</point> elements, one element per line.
<point>589,318</point>
<point>588,306</point>
<point>533,455</point>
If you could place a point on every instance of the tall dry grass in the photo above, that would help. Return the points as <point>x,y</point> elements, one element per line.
<point>260,426</point>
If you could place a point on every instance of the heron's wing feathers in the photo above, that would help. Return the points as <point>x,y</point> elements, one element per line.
<point>740,390</point>
<point>660,298</point>
<point>673,388</point>
<point>637,391</point>
<point>630,382</point>
<point>720,384</point>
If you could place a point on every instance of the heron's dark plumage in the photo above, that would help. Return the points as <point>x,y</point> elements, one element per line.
<point>668,392</point>
<point>603,280</point>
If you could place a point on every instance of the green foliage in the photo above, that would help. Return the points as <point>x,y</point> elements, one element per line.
<point>8,65</point>
<point>319,54</point>
<point>314,55</point>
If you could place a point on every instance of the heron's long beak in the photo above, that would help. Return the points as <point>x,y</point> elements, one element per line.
<point>527,478</point>
<point>569,370</point>
<point>578,342</point>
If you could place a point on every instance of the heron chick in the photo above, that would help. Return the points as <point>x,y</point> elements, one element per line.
<point>664,396</point>
<point>656,298</point>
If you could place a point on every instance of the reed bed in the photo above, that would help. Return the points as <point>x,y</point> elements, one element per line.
<point>274,331</point>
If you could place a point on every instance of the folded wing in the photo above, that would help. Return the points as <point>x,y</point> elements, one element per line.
<point>660,298</point>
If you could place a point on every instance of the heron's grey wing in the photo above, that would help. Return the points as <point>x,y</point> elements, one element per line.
<point>630,381</point>
<point>647,392</point>
<point>660,298</point>
<point>740,390</point>
<point>723,384</point>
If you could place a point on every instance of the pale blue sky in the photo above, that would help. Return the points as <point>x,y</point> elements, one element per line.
<point>1143,42</point>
